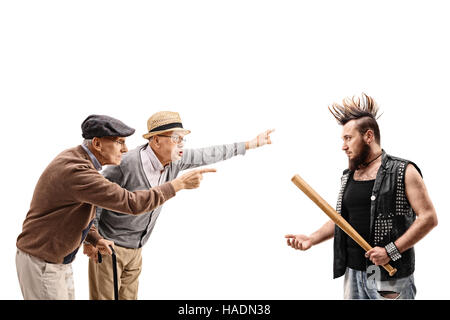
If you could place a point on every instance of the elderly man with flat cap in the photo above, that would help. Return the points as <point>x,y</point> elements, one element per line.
<point>150,165</point>
<point>62,209</point>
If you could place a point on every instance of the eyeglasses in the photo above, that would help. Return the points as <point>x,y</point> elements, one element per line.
<point>121,142</point>
<point>175,139</point>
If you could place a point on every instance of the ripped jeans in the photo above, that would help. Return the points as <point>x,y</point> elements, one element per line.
<point>357,286</point>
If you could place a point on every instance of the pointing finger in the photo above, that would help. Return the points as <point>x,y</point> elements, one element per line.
<point>207,170</point>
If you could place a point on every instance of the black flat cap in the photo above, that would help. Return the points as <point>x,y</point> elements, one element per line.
<point>104,126</point>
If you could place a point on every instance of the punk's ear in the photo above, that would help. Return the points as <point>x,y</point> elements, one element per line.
<point>369,136</point>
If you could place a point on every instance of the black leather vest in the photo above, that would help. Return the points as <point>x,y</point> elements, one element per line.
<point>390,216</point>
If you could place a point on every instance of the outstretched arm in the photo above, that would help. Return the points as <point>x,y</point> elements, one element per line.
<point>193,158</point>
<point>303,242</point>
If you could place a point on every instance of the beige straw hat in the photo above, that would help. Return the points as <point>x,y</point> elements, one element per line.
<point>164,121</point>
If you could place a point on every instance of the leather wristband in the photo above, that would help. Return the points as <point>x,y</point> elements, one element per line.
<point>392,251</point>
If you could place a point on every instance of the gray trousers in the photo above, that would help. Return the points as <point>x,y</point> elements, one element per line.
<point>40,280</point>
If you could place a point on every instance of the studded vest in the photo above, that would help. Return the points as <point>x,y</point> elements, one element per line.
<point>390,216</point>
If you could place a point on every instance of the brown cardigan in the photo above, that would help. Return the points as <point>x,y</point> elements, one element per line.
<point>63,206</point>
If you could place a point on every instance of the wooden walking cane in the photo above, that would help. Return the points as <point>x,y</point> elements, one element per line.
<point>336,217</point>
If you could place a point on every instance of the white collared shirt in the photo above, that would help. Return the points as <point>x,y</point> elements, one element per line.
<point>152,166</point>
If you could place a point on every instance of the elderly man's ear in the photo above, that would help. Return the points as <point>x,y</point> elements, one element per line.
<point>96,144</point>
<point>154,141</point>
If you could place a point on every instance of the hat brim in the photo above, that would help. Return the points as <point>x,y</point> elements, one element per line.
<point>151,134</point>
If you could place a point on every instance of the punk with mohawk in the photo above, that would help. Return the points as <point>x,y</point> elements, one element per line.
<point>381,196</point>
<point>364,108</point>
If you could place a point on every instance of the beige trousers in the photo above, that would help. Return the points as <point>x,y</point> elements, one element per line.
<point>40,280</point>
<point>129,266</point>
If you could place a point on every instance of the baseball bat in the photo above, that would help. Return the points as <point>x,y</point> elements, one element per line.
<point>336,217</point>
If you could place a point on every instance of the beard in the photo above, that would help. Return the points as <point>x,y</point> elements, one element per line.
<point>360,158</point>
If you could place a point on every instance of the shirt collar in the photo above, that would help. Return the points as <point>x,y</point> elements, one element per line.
<point>156,164</point>
<point>96,163</point>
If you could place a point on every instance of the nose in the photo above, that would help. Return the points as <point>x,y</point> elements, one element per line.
<point>344,147</point>
<point>124,148</point>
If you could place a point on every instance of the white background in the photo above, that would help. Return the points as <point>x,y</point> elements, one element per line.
<point>231,69</point>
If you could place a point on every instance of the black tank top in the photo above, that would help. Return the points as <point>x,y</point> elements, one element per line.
<point>356,204</point>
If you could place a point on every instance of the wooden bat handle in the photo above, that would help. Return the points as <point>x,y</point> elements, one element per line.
<point>336,217</point>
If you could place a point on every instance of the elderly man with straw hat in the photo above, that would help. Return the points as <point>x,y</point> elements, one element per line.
<point>62,209</point>
<point>152,164</point>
